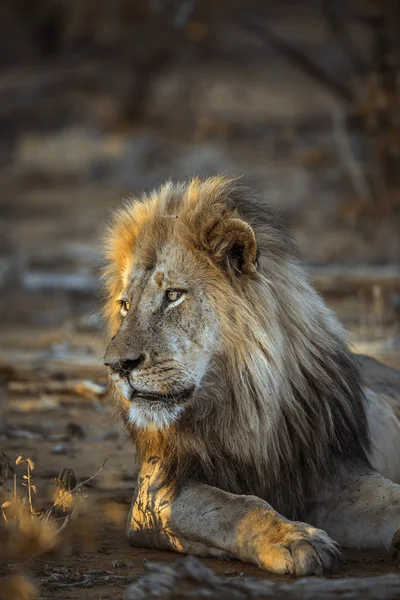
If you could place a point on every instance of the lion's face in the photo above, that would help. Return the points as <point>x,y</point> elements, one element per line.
<point>176,261</point>
<point>167,335</point>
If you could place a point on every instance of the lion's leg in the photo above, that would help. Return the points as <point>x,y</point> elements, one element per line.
<point>205,521</point>
<point>359,510</point>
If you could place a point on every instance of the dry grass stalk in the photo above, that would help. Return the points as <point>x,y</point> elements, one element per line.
<point>26,533</point>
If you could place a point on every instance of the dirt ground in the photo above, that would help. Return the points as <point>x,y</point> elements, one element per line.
<point>53,325</point>
<point>69,431</point>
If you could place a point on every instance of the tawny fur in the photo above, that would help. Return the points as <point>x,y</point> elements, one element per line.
<point>280,408</point>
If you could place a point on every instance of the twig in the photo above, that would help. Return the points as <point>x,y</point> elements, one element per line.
<point>298,58</point>
<point>87,581</point>
<point>59,500</point>
<point>30,489</point>
<point>338,30</point>
<point>349,161</point>
<point>69,518</point>
<point>184,13</point>
<point>86,388</point>
<point>82,583</point>
<point>67,521</point>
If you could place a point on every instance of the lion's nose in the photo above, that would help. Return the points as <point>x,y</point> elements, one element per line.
<point>123,366</point>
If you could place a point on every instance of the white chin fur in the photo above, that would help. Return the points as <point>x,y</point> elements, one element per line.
<point>160,419</point>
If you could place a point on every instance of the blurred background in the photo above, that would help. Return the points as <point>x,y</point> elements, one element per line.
<point>100,99</point>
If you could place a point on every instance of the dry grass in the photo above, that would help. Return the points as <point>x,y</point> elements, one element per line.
<point>27,533</point>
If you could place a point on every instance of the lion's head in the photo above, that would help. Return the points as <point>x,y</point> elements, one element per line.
<point>177,260</point>
<point>216,333</point>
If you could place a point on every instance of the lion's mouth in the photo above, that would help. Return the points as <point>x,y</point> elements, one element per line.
<point>175,397</point>
<point>167,398</point>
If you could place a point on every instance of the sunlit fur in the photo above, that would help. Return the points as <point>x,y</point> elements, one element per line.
<point>280,407</point>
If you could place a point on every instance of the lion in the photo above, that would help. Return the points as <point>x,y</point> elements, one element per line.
<point>255,437</point>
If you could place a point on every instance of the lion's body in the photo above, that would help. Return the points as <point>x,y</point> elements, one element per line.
<point>278,410</point>
<point>384,426</point>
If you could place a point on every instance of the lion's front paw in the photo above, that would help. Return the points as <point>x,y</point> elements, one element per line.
<point>303,550</point>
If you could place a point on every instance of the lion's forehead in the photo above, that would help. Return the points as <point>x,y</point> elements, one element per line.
<point>165,274</point>
<point>191,326</point>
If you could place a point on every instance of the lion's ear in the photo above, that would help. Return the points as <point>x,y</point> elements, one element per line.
<point>233,244</point>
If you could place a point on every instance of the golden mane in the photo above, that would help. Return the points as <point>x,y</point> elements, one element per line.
<point>190,211</point>
<point>283,371</point>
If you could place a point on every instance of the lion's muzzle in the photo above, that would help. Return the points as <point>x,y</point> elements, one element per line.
<point>158,385</point>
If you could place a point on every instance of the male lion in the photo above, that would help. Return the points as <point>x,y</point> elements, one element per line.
<point>236,384</point>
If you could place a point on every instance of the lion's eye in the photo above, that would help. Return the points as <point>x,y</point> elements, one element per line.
<point>173,295</point>
<point>124,307</point>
